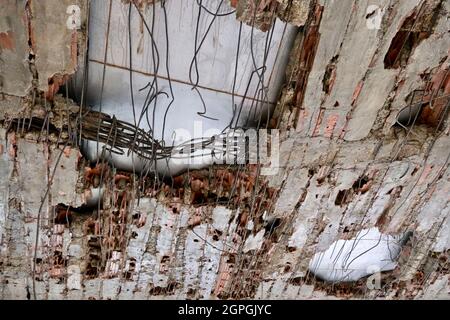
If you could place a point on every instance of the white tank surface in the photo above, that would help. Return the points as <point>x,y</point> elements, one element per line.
<point>350,260</point>
<point>193,72</point>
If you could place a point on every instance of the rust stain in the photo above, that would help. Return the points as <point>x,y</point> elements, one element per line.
<point>13,144</point>
<point>7,41</point>
<point>331,124</point>
<point>307,55</point>
<point>224,276</point>
<point>74,48</point>
<point>308,52</point>
<point>54,83</point>
<point>318,123</point>
<point>357,91</point>
<point>436,98</point>
<point>27,18</point>
<point>330,76</point>
<point>432,98</point>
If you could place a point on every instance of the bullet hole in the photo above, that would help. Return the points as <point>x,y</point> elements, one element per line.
<point>136,216</point>
<point>407,236</point>
<point>317,196</point>
<point>414,171</point>
<point>132,264</point>
<point>320,180</point>
<point>231,259</point>
<point>58,258</point>
<point>134,235</point>
<point>346,230</point>
<point>296,281</point>
<point>336,104</point>
<point>311,172</point>
<point>271,226</point>
<point>93,260</point>
<point>94,242</point>
<point>217,234</point>
<point>360,184</point>
<point>131,268</point>
<point>63,215</point>
<point>170,289</point>
<point>174,210</point>
<point>395,191</point>
<point>290,249</point>
<point>90,226</point>
<point>165,259</point>
<point>155,291</point>
<point>91,271</point>
<point>196,240</point>
<point>191,293</point>
<point>341,198</point>
<point>372,13</point>
<point>442,259</point>
<point>330,75</point>
<point>287,268</point>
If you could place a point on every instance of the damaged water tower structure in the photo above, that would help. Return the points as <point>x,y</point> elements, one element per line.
<point>224,149</point>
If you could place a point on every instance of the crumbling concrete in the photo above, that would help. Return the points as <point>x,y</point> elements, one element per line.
<point>14,49</point>
<point>345,165</point>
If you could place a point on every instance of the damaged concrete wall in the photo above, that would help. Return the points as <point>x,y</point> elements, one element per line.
<point>346,165</point>
<point>225,233</point>
<point>39,44</point>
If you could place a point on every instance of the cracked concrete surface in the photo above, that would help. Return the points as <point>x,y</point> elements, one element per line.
<point>344,167</point>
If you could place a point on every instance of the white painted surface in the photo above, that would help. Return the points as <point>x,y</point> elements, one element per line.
<point>350,260</point>
<point>254,242</point>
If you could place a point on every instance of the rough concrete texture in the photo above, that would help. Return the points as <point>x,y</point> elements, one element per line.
<point>14,49</point>
<point>39,44</point>
<point>260,13</point>
<point>344,167</point>
<point>56,52</point>
<point>364,171</point>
